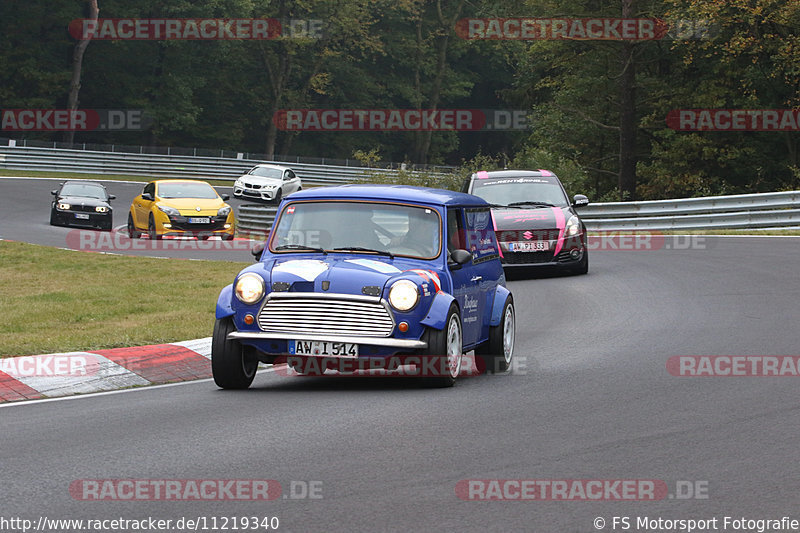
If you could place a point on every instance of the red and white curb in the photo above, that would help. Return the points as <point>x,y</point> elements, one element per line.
<point>64,374</point>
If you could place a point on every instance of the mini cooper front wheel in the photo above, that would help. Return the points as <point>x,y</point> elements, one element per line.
<point>230,364</point>
<point>498,351</point>
<point>445,347</point>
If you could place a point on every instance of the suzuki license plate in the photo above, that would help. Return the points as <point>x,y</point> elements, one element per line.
<point>530,246</point>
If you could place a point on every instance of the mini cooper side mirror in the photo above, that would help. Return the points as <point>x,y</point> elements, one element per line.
<point>257,249</point>
<point>579,200</point>
<point>460,257</point>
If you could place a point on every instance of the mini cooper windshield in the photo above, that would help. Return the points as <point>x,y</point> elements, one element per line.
<point>523,192</point>
<point>358,227</point>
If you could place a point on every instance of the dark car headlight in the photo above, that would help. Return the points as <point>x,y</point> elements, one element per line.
<point>404,295</point>
<point>101,209</point>
<point>63,206</point>
<point>573,226</point>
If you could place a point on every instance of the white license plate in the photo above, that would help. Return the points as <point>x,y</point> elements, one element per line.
<point>323,348</point>
<point>199,220</point>
<point>530,246</point>
<point>82,216</point>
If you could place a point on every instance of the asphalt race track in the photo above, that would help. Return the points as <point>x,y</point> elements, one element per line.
<point>591,399</point>
<point>25,212</point>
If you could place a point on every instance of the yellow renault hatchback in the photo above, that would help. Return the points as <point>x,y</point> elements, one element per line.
<point>180,207</point>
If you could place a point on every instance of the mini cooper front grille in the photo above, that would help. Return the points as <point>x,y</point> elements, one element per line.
<point>326,314</point>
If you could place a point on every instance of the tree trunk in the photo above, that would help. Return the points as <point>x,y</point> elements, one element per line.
<point>77,68</point>
<point>627,115</point>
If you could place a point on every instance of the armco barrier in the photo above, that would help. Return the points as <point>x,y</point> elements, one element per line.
<point>167,166</point>
<point>743,211</point>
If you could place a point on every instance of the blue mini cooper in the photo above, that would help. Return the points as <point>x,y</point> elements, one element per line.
<point>370,273</point>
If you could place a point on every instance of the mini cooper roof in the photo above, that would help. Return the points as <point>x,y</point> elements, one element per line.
<point>511,174</point>
<point>402,193</point>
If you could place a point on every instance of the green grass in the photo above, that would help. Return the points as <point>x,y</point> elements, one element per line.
<point>59,300</point>
<point>97,177</point>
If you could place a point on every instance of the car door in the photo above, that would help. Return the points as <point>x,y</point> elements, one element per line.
<point>141,207</point>
<point>291,182</point>
<point>487,270</point>
<point>467,283</point>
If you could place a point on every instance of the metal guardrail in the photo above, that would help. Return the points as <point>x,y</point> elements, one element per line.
<point>165,166</point>
<point>741,211</point>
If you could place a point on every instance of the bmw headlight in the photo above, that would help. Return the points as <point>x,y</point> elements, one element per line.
<point>573,226</point>
<point>169,211</point>
<point>249,288</point>
<point>269,187</point>
<point>63,206</point>
<point>224,211</point>
<point>404,295</point>
<point>101,209</point>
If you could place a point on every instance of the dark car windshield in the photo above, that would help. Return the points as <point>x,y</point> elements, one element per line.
<point>359,227</point>
<point>186,190</point>
<point>86,190</point>
<point>505,191</point>
<point>266,172</point>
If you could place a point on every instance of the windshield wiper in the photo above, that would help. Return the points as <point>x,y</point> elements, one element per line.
<point>535,204</point>
<point>362,249</point>
<point>300,247</point>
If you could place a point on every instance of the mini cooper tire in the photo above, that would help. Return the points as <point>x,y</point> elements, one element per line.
<point>230,364</point>
<point>446,344</point>
<point>498,352</point>
<point>133,233</point>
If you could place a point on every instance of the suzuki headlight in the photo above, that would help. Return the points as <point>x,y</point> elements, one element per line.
<point>250,288</point>
<point>169,211</point>
<point>404,295</point>
<point>63,206</point>
<point>573,226</point>
<point>224,211</point>
<point>101,209</point>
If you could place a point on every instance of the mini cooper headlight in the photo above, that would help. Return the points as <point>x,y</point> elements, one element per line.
<point>404,295</point>
<point>101,209</point>
<point>573,226</point>
<point>250,288</point>
<point>224,211</point>
<point>63,206</point>
<point>169,211</point>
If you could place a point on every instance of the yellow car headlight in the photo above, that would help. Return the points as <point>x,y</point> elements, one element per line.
<point>404,295</point>
<point>250,288</point>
